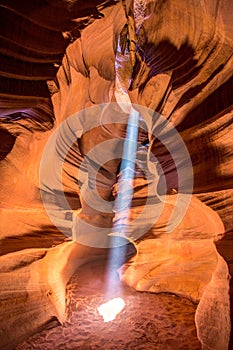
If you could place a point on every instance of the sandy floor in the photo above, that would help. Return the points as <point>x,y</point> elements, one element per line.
<point>148,321</point>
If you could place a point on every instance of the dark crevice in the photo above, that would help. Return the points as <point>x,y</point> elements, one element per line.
<point>154,59</point>
<point>219,100</point>
<point>19,69</point>
<point>24,87</point>
<point>7,142</point>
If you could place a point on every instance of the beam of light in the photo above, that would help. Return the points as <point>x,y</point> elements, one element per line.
<point>111,309</point>
<point>126,178</point>
<point>125,191</point>
<point>123,201</point>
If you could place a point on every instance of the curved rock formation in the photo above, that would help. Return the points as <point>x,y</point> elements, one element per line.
<point>172,58</point>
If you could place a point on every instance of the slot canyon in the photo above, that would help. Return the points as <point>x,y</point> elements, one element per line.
<point>116,186</point>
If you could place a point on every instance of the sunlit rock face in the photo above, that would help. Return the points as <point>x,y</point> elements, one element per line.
<point>177,61</point>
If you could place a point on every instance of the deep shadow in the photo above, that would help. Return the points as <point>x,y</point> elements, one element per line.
<point>7,142</point>
<point>216,103</point>
<point>163,58</point>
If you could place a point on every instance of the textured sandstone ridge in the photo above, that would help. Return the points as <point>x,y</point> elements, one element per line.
<point>185,262</point>
<point>180,64</point>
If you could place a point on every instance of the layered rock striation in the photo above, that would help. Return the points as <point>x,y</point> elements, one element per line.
<point>174,59</point>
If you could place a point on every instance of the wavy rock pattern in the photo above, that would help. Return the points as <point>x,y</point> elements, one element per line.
<point>180,64</point>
